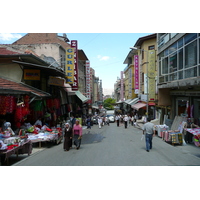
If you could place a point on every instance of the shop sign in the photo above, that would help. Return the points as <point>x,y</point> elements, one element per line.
<point>32,74</point>
<point>56,81</point>
<point>136,73</point>
<point>74,44</point>
<point>151,75</point>
<point>88,82</point>
<point>130,83</point>
<point>69,66</point>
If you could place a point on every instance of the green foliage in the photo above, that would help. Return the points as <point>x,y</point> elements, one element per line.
<point>109,103</point>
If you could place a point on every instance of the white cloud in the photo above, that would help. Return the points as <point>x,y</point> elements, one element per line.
<point>103,57</point>
<point>9,36</point>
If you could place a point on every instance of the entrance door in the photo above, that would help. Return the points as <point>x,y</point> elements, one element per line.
<point>181,106</point>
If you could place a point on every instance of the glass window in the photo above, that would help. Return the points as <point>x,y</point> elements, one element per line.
<point>180,75</point>
<point>191,72</point>
<point>151,47</point>
<point>165,66</point>
<point>191,54</point>
<point>166,52</point>
<point>173,48</point>
<point>180,43</point>
<point>173,62</point>
<point>173,77</point>
<point>180,59</point>
<point>189,37</point>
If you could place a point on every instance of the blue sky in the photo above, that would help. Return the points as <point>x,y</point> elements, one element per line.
<point>106,52</point>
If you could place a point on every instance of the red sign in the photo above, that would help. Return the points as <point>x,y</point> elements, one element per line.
<point>136,67</point>
<point>74,44</point>
<point>88,82</point>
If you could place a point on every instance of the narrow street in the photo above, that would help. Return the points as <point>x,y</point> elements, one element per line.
<point>114,146</point>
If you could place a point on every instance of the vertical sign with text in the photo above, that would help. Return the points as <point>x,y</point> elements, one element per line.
<point>88,83</point>
<point>74,44</point>
<point>136,73</point>
<point>69,66</point>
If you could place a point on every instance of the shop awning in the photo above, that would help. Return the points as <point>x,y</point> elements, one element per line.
<point>11,87</point>
<point>137,106</point>
<point>81,96</point>
<point>133,101</point>
<point>127,101</point>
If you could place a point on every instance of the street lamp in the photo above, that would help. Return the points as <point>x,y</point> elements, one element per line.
<point>147,106</point>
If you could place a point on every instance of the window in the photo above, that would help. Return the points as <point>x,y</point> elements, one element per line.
<point>191,54</point>
<point>189,37</point>
<point>180,59</point>
<point>173,48</point>
<point>180,43</point>
<point>151,47</point>
<point>191,72</point>
<point>173,62</point>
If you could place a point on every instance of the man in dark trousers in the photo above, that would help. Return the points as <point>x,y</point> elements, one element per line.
<point>117,119</point>
<point>149,131</point>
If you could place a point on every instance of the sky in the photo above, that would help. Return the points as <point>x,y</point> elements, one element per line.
<point>105,51</point>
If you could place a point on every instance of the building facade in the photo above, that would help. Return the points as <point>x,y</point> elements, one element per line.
<point>179,71</point>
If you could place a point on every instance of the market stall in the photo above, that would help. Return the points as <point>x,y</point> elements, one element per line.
<point>196,133</point>
<point>36,135</point>
<point>14,145</point>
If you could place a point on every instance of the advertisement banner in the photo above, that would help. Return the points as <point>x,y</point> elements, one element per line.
<point>130,83</point>
<point>152,75</point>
<point>69,66</point>
<point>136,73</point>
<point>74,44</point>
<point>56,81</point>
<point>32,74</point>
<point>88,83</point>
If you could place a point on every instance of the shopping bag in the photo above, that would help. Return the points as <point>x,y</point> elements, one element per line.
<point>142,137</point>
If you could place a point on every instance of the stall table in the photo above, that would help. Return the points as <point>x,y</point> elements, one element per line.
<point>54,136</point>
<point>22,148</point>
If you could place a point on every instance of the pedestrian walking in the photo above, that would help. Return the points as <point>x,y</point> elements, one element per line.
<point>107,121</point>
<point>125,121</point>
<point>100,122</point>
<point>149,131</point>
<point>88,121</point>
<point>67,137</point>
<point>117,119</point>
<point>77,134</point>
<point>132,120</point>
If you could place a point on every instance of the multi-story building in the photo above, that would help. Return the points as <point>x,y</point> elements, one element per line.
<point>179,72</point>
<point>146,48</point>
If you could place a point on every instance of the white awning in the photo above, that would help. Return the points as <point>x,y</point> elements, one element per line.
<point>81,96</point>
<point>133,101</point>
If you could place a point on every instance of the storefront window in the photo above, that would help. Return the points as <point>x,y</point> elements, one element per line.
<point>180,59</point>
<point>189,37</point>
<point>191,54</point>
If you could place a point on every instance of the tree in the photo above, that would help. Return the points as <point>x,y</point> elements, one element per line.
<point>109,103</point>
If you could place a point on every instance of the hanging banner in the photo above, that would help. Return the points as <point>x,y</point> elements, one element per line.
<point>130,83</point>
<point>74,44</point>
<point>136,73</point>
<point>69,66</point>
<point>152,75</point>
<point>88,83</point>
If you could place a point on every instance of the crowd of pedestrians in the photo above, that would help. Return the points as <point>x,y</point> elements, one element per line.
<point>73,129</point>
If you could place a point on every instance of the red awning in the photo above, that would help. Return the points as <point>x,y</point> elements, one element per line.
<point>12,87</point>
<point>137,106</point>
